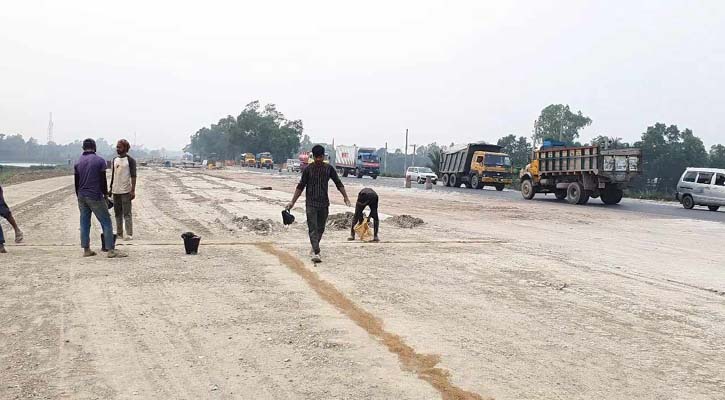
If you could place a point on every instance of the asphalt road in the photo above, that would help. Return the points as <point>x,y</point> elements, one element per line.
<point>655,208</point>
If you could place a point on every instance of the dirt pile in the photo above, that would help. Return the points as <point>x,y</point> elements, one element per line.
<point>257,225</point>
<point>405,221</point>
<point>340,221</point>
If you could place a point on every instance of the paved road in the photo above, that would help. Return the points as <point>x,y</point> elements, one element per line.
<point>667,209</point>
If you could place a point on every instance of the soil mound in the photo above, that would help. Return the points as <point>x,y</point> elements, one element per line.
<point>405,221</point>
<point>257,225</point>
<point>340,221</point>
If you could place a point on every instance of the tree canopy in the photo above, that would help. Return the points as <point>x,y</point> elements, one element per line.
<point>256,129</point>
<point>558,122</point>
<point>519,149</point>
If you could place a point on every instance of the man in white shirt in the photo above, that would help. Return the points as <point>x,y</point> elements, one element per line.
<point>123,188</point>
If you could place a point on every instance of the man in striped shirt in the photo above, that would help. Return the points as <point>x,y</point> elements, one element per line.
<point>314,182</point>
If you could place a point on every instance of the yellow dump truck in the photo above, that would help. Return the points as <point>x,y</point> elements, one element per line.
<point>250,160</point>
<point>476,165</point>
<point>264,160</point>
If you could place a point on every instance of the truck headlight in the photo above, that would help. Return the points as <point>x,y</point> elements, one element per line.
<point>609,163</point>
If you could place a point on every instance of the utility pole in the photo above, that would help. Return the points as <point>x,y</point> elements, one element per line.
<point>385,170</point>
<point>414,153</point>
<point>405,157</point>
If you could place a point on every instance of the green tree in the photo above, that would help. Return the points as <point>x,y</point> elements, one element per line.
<point>717,156</point>
<point>519,149</point>
<point>666,152</point>
<point>256,129</point>
<point>558,122</point>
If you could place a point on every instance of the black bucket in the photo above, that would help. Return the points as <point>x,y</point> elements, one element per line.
<point>103,242</point>
<point>191,244</point>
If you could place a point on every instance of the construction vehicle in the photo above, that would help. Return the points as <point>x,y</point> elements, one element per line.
<point>579,173</point>
<point>211,162</point>
<point>476,165</point>
<point>306,158</point>
<point>357,161</point>
<point>264,160</point>
<point>249,160</point>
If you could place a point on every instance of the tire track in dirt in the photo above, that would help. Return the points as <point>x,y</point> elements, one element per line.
<point>423,365</point>
<point>164,202</point>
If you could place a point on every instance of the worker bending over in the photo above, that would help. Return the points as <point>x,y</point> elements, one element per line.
<point>366,198</point>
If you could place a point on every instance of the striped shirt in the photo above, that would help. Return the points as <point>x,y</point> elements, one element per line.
<point>314,179</point>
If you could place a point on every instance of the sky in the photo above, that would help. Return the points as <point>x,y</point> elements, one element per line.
<point>360,72</point>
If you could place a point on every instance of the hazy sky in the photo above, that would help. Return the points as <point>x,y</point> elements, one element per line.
<point>360,72</point>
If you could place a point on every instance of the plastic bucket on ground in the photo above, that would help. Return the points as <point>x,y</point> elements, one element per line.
<point>103,242</point>
<point>191,244</point>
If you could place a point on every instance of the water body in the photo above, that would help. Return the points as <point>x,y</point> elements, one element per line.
<point>25,165</point>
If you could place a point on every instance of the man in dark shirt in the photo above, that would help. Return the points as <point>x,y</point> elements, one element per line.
<point>317,203</point>
<point>5,213</point>
<point>92,191</point>
<point>366,198</point>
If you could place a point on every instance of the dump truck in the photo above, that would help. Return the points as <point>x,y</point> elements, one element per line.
<point>264,160</point>
<point>580,173</point>
<point>476,165</point>
<point>357,161</point>
<point>249,160</point>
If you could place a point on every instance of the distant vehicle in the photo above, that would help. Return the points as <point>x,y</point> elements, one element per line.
<point>293,165</point>
<point>578,173</point>
<point>306,158</point>
<point>212,161</point>
<point>476,165</point>
<point>357,161</point>
<point>264,160</point>
<point>702,187</point>
<point>167,164</point>
<point>249,160</point>
<point>420,174</point>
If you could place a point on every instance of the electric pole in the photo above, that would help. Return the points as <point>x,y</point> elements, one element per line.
<point>405,157</point>
<point>50,128</point>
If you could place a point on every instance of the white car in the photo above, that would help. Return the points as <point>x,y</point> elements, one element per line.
<point>419,174</point>
<point>293,165</point>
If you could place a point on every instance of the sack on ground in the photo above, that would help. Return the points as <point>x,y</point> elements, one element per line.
<point>363,230</point>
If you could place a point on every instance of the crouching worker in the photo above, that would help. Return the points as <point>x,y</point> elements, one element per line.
<point>366,198</point>
<point>5,213</point>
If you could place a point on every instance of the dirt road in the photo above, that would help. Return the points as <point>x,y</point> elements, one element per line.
<point>526,300</point>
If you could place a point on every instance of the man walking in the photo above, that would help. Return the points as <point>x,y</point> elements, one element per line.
<point>123,188</point>
<point>92,192</point>
<point>366,198</point>
<point>5,213</point>
<point>317,203</point>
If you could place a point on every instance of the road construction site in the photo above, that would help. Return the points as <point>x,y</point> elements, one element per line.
<point>489,297</point>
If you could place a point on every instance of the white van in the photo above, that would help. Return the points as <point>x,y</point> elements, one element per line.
<point>702,187</point>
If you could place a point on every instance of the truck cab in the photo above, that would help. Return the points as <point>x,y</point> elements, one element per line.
<point>249,160</point>
<point>493,169</point>
<point>367,163</point>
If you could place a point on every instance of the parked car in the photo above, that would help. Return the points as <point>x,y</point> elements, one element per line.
<point>293,165</point>
<point>419,174</point>
<point>702,187</point>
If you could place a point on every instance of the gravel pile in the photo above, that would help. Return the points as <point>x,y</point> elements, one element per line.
<point>405,221</point>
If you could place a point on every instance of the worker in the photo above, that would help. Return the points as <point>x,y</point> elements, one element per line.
<point>314,181</point>
<point>366,198</point>
<point>5,213</point>
<point>123,189</point>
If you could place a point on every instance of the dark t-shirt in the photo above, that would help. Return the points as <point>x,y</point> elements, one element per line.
<point>90,176</point>
<point>367,198</point>
<point>314,180</point>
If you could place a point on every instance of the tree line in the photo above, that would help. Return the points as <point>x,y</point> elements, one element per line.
<point>256,129</point>
<point>14,148</point>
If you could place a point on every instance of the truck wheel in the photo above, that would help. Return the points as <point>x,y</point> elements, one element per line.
<point>476,182</point>
<point>344,172</point>
<point>499,187</point>
<point>612,196</point>
<point>713,208</point>
<point>453,180</point>
<point>375,177</point>
<point>575,193</point>
<point>527,189</point>
<point>359,174</point>
<point>560,194</point>
<point>688,202</point>
<point>445,178</point>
